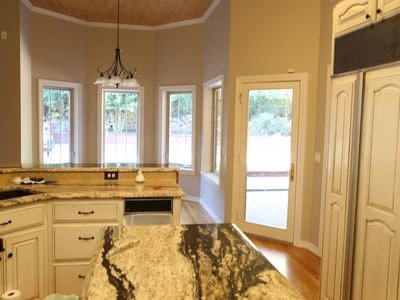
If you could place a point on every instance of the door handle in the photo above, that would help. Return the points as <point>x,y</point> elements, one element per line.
<point>292,172</point>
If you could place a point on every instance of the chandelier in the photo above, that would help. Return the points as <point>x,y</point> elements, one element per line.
<point>117,74</point>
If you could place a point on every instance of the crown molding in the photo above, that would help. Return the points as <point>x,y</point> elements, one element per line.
<point>210,9</point>
<point>53,14</point>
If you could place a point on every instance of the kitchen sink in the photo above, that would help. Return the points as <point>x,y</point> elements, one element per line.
<point>8,194</point>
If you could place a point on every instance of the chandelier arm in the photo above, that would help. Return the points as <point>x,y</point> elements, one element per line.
<point>124,70</point>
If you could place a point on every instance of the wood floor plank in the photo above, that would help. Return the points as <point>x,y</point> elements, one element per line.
<point>299,266</point>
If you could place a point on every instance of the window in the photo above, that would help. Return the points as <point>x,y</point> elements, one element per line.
<point>217,128</point>
<point>178,126</point>
<point>59,138</point>
<point>212,129</point>
<point>120,126</point>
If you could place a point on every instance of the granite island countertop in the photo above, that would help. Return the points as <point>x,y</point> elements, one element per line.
<point>210,261</point>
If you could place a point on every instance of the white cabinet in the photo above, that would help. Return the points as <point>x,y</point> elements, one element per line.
<point>377,253</point>
<point>23,254</point>
<point>361,244</point>
<point>350,15</point>
<point>75,233</point>
<point>24,263</point>
<point>69,276</point>
<point>344,92</point>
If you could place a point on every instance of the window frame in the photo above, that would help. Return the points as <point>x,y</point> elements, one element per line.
<point>164,92</point>
<point>100,121</point>
<point>75,115</point>
<point>208,132</point>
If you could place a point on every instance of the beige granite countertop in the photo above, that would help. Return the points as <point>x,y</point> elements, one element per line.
<point>106,191</point>
<point>199,261</point>
<point>89,182</point>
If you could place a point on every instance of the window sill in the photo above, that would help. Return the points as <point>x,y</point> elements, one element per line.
<point>212,178</point>
<point>186,172</point>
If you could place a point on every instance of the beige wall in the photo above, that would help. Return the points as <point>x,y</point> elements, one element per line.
<point>324,60</point>
<point>178,61</point>
<point>137,50</point>
<point>26,86</point>
<point>58,52</point>
<point>215,63</point>
<point>268,37</point>
<point>10,125</point>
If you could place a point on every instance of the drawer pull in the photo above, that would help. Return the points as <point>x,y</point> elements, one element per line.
<point>81,276</point>
<point>86,238</point>
<point>6,223</point>
<point>86,212</point>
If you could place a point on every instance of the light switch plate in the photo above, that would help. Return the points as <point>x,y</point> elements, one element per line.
<point>4,35</point>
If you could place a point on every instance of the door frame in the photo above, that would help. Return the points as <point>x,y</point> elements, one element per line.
<point>302,78</point>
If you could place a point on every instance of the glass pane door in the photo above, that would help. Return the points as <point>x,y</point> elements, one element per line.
<point>269,131</point>
<point>268,156</point>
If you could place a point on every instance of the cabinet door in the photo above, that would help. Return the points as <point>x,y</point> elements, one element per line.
<point>350,15</point>
<point>376,271</point>
<point>24,264</point>
<point>343,94</point>
<point>387,8</point>
<point>69,277</point>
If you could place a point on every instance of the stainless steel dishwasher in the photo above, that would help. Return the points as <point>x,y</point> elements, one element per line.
<point>148,211</point>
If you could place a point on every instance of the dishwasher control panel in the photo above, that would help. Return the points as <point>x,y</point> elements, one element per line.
<point>148,205</point>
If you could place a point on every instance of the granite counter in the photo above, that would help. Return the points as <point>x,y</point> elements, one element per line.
<point>213,261</point>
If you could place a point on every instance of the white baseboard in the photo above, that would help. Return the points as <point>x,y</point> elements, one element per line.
<point>191,198</point>
<point>210,212</point>
<point>309,246</point>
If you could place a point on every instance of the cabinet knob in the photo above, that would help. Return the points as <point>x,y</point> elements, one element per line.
<point>6,223</point>
<point>367,16</point>
<point>378,11</point>
<point>10,255</point>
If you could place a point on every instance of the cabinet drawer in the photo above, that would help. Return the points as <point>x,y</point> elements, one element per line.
<point>75,241</point>
<point>69,278</point>
<point>21,217</point>
<point>85,211</point>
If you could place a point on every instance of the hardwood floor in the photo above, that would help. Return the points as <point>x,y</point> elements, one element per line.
<point>299,266</point>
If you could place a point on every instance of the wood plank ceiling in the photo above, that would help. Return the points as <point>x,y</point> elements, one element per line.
<point>133,12</point>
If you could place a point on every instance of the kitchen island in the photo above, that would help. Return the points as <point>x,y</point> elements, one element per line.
<point>213,261</point>
<point>49,229</point>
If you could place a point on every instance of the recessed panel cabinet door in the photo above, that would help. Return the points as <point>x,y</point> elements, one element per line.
<point>376,273</point>
<point>343,93</point>
<point>350,15</point>
<point>24,264</point>
<point>387,8</point>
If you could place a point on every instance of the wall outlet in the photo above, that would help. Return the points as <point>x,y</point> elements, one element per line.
<point>3,35</point>
<point>110,175</point>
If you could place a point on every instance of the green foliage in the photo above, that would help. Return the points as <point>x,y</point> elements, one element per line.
<point>120,109</point>
<point>270,112</point>
<point>56,107</point>
<point>181,112</point>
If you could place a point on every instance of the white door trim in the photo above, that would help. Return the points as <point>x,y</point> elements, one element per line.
<point>302,78</point>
